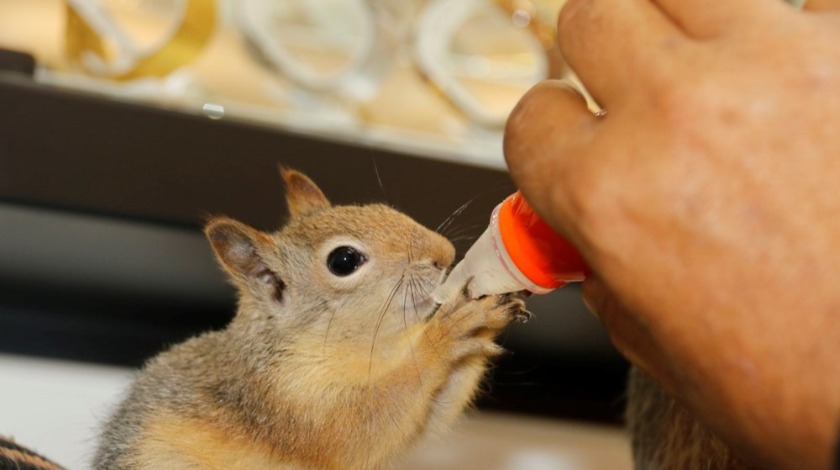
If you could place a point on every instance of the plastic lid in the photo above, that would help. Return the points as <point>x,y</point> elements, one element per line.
<point>543,256</point>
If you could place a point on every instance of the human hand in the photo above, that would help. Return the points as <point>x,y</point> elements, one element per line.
<point>706,202</point>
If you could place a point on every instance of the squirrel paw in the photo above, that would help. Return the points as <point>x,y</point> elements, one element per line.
<point>473,324</point>
<point>504,310</point>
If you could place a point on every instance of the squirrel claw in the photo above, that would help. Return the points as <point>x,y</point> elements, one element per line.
<point>465,291</point>
<point>522,316</point>
<point>516,307</point>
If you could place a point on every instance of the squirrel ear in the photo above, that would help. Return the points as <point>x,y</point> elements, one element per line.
<point>237,247</point>
<point>302,194</point>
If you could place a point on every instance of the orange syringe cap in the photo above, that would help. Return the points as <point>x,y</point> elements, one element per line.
<point>541,255</point>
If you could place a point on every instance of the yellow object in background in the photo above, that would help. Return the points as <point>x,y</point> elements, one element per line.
<point>100,46</point>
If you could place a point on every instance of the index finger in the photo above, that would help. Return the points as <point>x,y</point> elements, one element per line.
<point>612,45</point>
<point>543,144</point>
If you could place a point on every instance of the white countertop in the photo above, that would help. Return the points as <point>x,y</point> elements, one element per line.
<point>54,407</point>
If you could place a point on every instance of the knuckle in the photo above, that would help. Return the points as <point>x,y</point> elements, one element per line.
<point>569,19</point>
<point>520,118</point>
<point>526,126</point>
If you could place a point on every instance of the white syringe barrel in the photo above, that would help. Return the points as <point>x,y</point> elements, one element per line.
<point>517,252</point>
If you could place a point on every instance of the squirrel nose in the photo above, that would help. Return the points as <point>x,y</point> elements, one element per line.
<point>433,248</point>
<point>443,253</point>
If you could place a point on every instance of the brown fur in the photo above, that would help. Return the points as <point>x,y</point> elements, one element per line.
<point>315,371</point>
<point>666,436</point>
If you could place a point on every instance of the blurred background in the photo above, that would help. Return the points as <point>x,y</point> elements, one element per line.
<point>125,124</point>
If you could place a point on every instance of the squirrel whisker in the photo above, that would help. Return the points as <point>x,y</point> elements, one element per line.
<point>451,218</point>
<point>382,314</point>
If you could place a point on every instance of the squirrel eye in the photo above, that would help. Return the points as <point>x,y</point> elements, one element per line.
<point>345,260</point>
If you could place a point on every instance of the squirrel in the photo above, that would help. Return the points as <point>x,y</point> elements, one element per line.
<point>337,357</point>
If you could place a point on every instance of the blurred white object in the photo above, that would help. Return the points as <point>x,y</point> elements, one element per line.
<point>480,57</point>
<point>342,47</point>
<point>500,53</point>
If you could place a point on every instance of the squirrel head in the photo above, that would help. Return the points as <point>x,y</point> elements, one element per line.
<point>333,273</point>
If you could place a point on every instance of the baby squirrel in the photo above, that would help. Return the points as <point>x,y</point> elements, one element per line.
<point>337,357</point>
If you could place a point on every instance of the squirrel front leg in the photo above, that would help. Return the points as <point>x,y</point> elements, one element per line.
<point>471,328</point>
<point>440,374</point>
